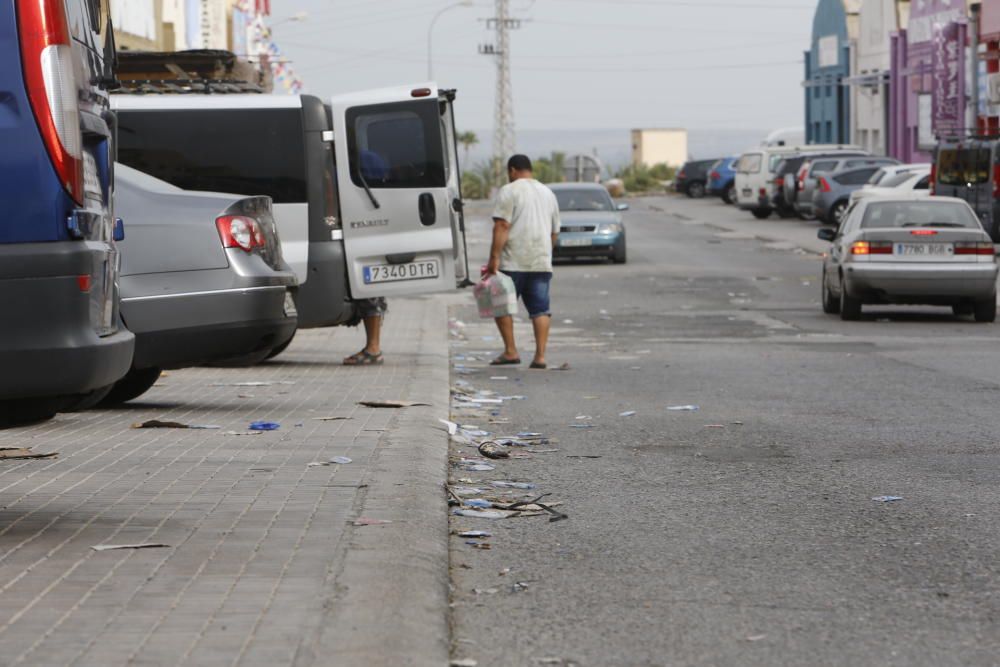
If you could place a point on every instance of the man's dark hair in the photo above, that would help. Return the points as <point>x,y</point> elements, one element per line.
<point>519,163</point>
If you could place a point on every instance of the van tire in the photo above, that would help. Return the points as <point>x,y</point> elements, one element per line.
<point>136,383</point>
<point>761,213</point>
<point>985,310</point>
<point>850,307</point>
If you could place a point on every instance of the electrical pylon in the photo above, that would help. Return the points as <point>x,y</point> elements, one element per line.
<point>504,140</point>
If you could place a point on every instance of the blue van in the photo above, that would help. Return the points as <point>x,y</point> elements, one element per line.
<point>61,341</point>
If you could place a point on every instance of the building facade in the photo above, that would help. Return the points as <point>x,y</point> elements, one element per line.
<point>827,69</point>
<point>651,147</point>
<point>989,67</point>
<point>928,91</point>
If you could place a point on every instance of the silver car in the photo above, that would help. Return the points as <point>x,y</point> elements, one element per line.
<point>592,224</point>
<point>912,250</point>
<point>203,279</point>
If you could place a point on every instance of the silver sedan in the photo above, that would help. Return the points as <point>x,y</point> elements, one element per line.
<point>910,250</point>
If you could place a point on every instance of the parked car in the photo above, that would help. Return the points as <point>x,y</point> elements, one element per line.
<point>692,179</point>
<point>722,179</point>
<point>755,171</point>
<point>203,279</point>
<point>795,185</point>
<point>890,170</point>
<point>784,174</point>
<point>970,169</point>
<point>809,176</point>
<point>915,181</point>
<point>61,338</point>
<point>910,250</point>
<point>592,224</point>
<point>832,194</point>
<point>345,228</point>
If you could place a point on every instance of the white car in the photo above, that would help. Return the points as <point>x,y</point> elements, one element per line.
<point>910,250</point>
<point>890,170</point>
<point>914,181</point>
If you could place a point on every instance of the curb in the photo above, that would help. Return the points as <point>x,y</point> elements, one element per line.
<point>388,598</point>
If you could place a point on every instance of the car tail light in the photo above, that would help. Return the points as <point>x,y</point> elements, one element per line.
<point>871,248</point>
<point>932,182</point>
<point>973,248</point>
<point>715,176</point>
<point>47,58</point>
<point>823,185</point>
<point>683,174</point>
<point>237,231</point>
<point>779,181</point>
<point>84,283</point>
<point>924,232</point>
<point>803,172</point>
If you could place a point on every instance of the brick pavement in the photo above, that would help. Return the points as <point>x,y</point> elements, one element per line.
<point>260,543</point>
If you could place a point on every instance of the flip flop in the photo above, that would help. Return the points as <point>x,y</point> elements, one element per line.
<point>504,361</point>
<point>364,358</point>
<point>537,366</point>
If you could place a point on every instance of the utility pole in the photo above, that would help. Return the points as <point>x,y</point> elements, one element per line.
<point>503,121</point>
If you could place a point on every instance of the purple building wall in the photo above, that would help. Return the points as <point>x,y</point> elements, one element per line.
<point>912,76</point>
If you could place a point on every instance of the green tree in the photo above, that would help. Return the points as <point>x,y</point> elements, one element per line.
<point>468,140</point>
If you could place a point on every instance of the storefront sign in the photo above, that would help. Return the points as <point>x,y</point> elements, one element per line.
<point>922,26</point>
<point>925,121</point>
<point>948,90</point>
<point>829,51</point>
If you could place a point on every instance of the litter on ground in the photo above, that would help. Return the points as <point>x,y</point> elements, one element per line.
<point>683,408</point>
<point>887,499</point>
<point>265,426</point>
<point>22,453</point>
<point>391,404</point>
<point>156,423</point>
<point>369,522</point>
<point>115,547</point>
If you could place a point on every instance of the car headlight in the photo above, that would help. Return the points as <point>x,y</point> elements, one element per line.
<point>610,228</point>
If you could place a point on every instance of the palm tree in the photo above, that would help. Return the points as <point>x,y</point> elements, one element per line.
<point>468,140</point>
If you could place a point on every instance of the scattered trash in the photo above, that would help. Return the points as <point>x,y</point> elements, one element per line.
<point>484,546</point>
<point>584,418</point>
<point>715,426</point>
<point>342,460</point>
<point>567,321</point>
<point>244,396</point>
<point>628,413</point>
<point>467,491</point>
<point>242,433</point>
<point>684,408</point>
<point>251,384</point>
<point>478,503</point>
<point>369,522</point>
<point>513,485</point>
<point>519,587</point>
<point>475,466</point>
<point>464,662</point>
<point>582,456</point>
<point>484,591</point>
<point>156,423</point>
<point>756,638</point>
<point>318,464</point>
<point>492,450</point>
<point>887,499</point>
<point>265,426</point>
<point>390,404</point>
<point>483,514</point>
<point>22,453</point>
<point>736,423</point>
<point>581,426</point>
<point>562,367</point>
<point>476,534</point>
<point>330,419</point>
<point>529,434</point>
<point>499,377</point>
<point>114,547</point>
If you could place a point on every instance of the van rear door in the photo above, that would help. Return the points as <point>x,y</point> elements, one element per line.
<point>456,207</point>
<point>392,172</point>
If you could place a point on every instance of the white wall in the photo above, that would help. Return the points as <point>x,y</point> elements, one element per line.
<point>655,146</point>
<point>135,17</point>
<point>877,19</point>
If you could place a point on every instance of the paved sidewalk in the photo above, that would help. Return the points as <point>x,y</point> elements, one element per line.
<point>264,566</point>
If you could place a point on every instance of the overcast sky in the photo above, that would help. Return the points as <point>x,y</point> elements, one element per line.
<point>576,64</point>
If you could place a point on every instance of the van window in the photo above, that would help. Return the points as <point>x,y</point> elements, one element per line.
<point>826,165</point>
<point>396,145</point>
<point>961,166</point>
<point>749,163</point>
<point>246,152</point>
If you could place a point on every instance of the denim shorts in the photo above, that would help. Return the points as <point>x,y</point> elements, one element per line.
<point>533,289</point>
<point>370,307</point>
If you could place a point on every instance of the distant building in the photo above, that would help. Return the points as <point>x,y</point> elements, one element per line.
<point>827,68</point>
<point>989,67</point>
<point>138,24</point>
<point>659,146</point>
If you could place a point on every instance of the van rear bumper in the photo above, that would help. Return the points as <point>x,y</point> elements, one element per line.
<point>48,346</point>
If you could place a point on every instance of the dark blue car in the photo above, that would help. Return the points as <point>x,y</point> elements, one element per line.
<point>61,342</point>
<point>722,179</point>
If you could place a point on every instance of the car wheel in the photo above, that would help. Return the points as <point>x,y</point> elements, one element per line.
<point>136,383</point>
<point>696,190</point>
<point>761,213</point>
<point>836,214</point>
<point>963,309</point>
<point>729,195</point>
<point>986,309</point>
<point>850,307</point>
<point>620,256</point>
<point>281,348</point>
<point>831,306</point>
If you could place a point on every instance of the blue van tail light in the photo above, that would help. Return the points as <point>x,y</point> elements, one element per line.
<point>47,59</point>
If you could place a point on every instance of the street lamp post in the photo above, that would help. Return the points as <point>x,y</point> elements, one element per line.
<point>430,35</point>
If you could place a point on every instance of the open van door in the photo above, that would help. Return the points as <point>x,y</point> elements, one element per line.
<point>454,175</point>
<point>392,172</point>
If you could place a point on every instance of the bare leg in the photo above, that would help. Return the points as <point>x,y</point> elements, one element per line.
<point>373,334</point>
<point>506,327</point>
<point>541,326</point>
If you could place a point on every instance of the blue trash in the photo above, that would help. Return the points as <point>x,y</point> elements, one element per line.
<point>265,426</point>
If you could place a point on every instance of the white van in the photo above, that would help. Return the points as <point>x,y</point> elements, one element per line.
<point>755,170</point>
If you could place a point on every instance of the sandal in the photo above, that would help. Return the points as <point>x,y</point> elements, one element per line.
<point>537,366</point>
<point>504,361</point>
<point>364,358</point>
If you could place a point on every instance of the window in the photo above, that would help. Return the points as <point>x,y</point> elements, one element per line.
<point>898,179</point>
<point>923,184</point>
<point>396,145</point>
<point>246,151</point>
<point>829,131</point>
<point>856,177</point>
<point>962,166</point>
<point>823,166</point>
<point>878,177</point>
<point>584,200</point>
<point>749,163</point>
<point>922,213</point>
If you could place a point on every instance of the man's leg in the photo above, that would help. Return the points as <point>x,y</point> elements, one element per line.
<point>371,312</point>
<point>373,334</point>
<point>541,325</point>
<point>506,327</point>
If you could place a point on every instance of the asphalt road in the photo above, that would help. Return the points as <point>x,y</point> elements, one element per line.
<point>744,533</point>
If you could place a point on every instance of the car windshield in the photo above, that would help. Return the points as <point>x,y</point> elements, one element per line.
<point>919,213</point>
<point>963,166</point>
<point>584,200</point>
<point>897,180</point>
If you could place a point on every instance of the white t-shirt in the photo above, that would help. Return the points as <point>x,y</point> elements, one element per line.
<point>533,213</point>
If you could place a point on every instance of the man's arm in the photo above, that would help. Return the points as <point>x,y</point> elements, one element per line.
<point>501,232</point>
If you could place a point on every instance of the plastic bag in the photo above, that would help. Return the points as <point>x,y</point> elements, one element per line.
<point>496,296</point>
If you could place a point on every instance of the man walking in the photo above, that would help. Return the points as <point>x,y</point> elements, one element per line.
<point>525,227</point>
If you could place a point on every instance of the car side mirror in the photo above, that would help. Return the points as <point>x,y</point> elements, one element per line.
<point>826,234</point>
<point>623,206</point>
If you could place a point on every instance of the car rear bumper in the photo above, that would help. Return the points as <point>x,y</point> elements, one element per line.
<point>48,343</point>
<point>921,283</point>
<point>601,245</point>
<point>187,329</point>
